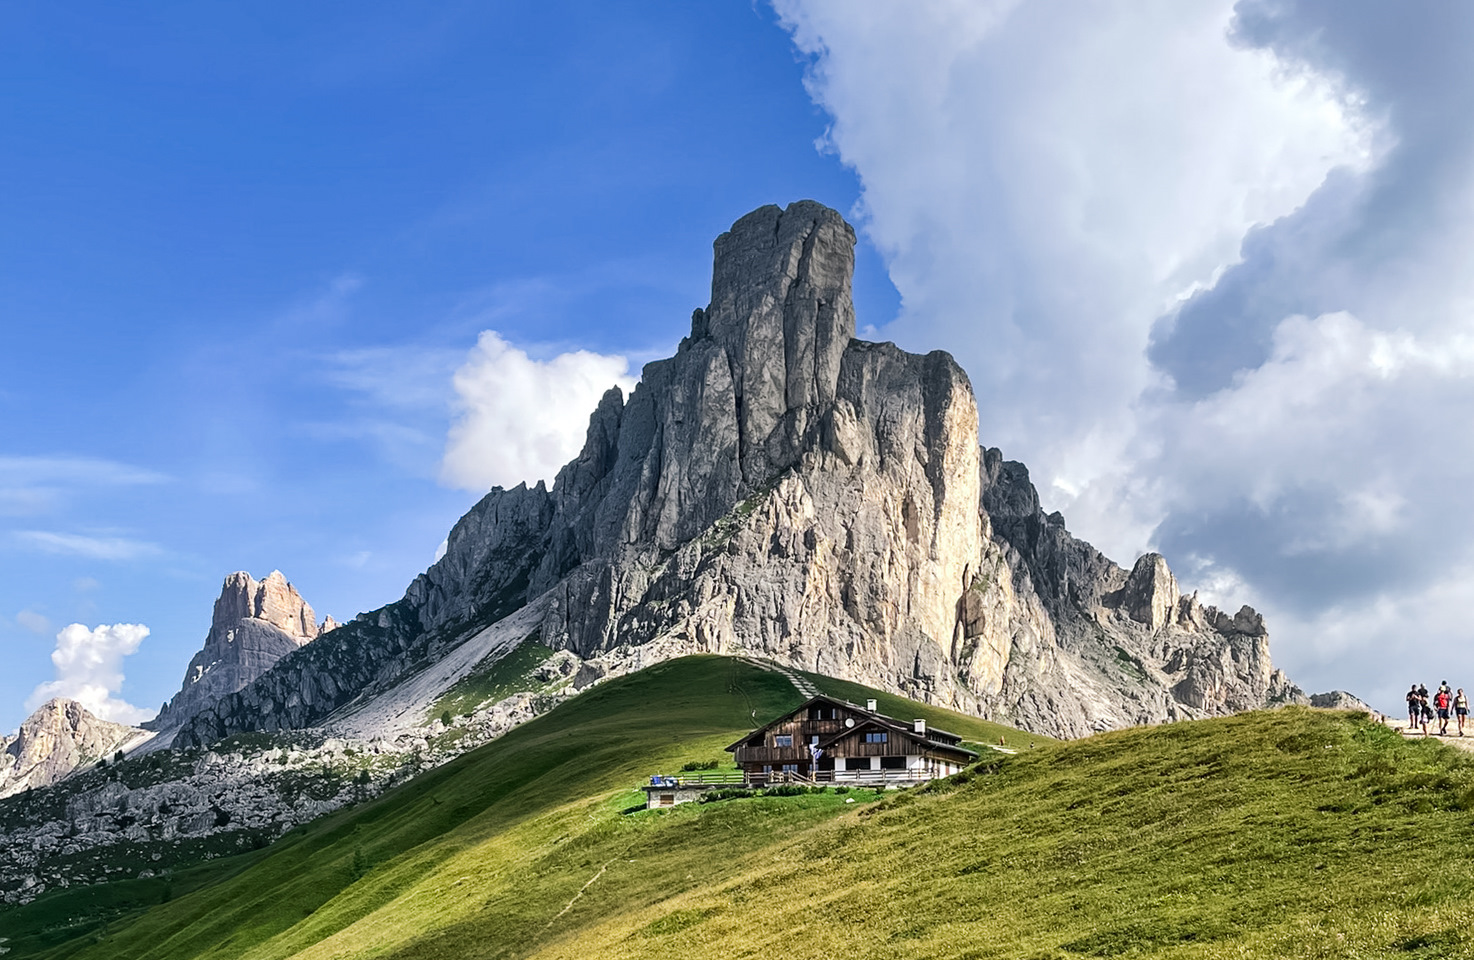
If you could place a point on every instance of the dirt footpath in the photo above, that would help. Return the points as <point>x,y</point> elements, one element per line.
<point>1465,742</point>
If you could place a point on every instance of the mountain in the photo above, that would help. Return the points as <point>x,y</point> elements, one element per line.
<point>55,740</point>
<point>255,624</point>
<point>782,489</point>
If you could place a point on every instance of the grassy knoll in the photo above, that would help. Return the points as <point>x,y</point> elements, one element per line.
<point>1293,833</point>
<point>527,838</point>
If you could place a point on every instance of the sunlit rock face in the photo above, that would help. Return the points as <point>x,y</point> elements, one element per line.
<point>780,488</point>
<point>255,624</point>
<point>55,740</point>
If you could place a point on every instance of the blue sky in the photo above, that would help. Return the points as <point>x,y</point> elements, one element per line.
<point>272,277</point>
<point>246,247</point>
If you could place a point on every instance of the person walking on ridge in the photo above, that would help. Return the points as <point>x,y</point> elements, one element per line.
<point>1414,706</point>
<point>1461,708</point>
<point>1443,700</point>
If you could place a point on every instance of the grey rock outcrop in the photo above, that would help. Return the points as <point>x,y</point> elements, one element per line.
<point>1339,700</point>
<point>780,488</point>
<point>58,738</point>
<point>255,624</point>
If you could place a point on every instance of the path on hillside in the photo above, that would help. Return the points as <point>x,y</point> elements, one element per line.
<point>1465,743</point>
<point>802,684</point>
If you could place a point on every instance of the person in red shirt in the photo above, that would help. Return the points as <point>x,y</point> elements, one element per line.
<point>1441,701</point>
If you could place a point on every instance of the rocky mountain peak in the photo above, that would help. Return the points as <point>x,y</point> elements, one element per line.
<point>779,488</point>
<point>1152,594</point>
<point>255,623</point>
<point>272,600</point>
<point>782,316</point>
<point>52,742</point>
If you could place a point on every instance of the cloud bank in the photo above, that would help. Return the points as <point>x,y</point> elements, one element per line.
<point>1207,266</point>
<point>520,419</point>
<point>89,669</point>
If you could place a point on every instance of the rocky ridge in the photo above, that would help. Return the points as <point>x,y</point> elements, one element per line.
<point>780,488</point>
<point>150,813</point>
<point>61,736</point>
<point>255,624</point>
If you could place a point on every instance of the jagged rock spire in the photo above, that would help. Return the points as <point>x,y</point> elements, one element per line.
<point>255,623</point>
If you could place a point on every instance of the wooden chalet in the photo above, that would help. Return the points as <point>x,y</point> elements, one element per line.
<point>833,741</point>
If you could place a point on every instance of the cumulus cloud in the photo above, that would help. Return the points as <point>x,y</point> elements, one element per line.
<point>1207,264</point>
<point>520,419</point>
<point>93,548</point>
<point>89,669</point>
<point>1354,528</point>
<point>1046,182</point>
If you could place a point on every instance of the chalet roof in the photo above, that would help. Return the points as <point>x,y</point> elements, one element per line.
<point>941,739</point>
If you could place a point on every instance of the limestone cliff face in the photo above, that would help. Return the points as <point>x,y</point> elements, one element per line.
<point>55,740</point>
<point>1123,647</point>
<point>255,624</point>
<point>780,488</point>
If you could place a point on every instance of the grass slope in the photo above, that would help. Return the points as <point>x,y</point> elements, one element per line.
<point>1294,833</point>
<point>481,856</point>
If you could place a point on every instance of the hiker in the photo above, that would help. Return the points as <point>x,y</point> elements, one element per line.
<point>1414,706</point>
<point>1427,711</point>
<point>1443,700</point>
<point>1461,708</point>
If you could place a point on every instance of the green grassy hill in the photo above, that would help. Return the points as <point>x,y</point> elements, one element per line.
<point>1295,833</point>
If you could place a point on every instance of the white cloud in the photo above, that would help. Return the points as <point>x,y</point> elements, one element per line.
<point>1207,265</point>
<point>520,419</point>
<point>402,377</point>
<point>89,669</point>
<point>90,470</point>
<point>34,485</point>
<point>1305,416</point>
<point>34,622</point>
<point>1400,639</point>
<point>93,548</point>
<point>1046,181</point>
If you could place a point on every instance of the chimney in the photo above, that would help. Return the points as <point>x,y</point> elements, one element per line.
<point>920,727</point>
<point>870,705</point>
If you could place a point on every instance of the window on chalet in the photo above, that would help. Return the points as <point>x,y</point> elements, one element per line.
<point>877,737</point>
<point>893,763</point>
<point>857,763</point>
<point>823,713</point>
<point>790,768</point>
<point>783,740</point>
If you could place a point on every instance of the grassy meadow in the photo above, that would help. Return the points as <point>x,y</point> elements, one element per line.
<point>1288,833</point>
